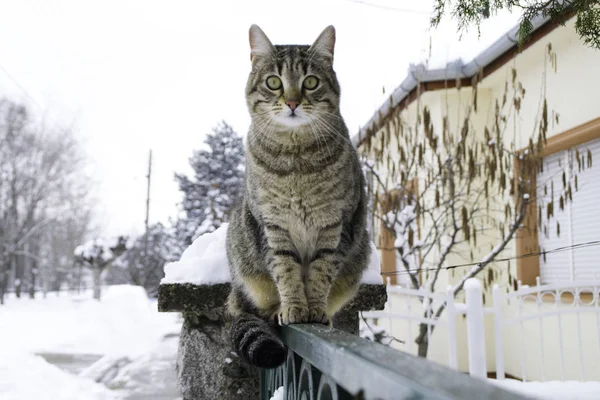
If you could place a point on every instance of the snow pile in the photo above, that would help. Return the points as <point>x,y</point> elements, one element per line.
<point>105,369</point>
<point>141,376</point>
<point>278,395</point>
<point>372,275</point>
<point>205,262</point>
<point>124,326</point>
<point>25,376</point>
<point>122,323</point>
<point>552,390</point>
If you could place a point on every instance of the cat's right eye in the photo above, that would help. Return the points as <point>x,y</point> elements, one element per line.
<point>273,82</point>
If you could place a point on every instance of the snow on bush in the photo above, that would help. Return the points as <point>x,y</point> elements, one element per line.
<point>370,331</point>
<point>25,376</point>
<point>101,249</point>
<point>93,249</point>
<point>205,262</point>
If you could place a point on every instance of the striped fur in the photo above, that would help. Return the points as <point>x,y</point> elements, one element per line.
<point>256,342</point>
<point>297,245</point>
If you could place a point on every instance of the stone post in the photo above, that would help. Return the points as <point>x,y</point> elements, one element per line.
<point>207,367</point>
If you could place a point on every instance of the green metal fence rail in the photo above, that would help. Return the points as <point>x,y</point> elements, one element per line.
<point>327,364</point>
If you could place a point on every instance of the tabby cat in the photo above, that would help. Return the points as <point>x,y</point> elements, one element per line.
<point>297,246</point>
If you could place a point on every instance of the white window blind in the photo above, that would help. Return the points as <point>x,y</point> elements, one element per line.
<point>579,221</point>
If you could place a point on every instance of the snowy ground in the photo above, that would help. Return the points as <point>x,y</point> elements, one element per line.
<point>74,348</point>
<point>552,390</point>
<point>71,347</point>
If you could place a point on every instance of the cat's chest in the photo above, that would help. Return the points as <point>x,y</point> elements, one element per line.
<point>304,236</point>
<point>305,204</point>
<point>300,202</point>
<point>303,209</point>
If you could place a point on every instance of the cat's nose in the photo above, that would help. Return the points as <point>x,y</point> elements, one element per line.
<point>292,104</point>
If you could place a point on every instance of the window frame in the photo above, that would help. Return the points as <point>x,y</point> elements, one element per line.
<point>527,241</point>
<point>386,236</point>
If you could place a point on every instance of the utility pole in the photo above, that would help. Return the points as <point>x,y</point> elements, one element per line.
<point>147,208</point>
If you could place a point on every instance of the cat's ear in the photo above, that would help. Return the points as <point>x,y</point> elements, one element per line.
<point>325,43</point>
<point>260,45</point>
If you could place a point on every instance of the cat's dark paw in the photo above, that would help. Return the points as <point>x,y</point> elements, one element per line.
<point>293,314</point>
<point>318,315</point>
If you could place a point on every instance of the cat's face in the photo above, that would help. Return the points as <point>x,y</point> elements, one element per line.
<point>292,86</point>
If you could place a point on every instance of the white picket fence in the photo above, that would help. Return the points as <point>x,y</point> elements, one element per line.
<point>541,332</point>
<point>414,316</point>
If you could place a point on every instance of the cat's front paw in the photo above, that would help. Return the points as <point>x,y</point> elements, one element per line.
<point>293,314</point>
<point>317,314</point>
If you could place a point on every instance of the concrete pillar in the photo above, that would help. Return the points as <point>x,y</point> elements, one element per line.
<point>207,367</point>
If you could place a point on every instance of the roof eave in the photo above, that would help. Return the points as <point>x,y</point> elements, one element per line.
<point>418,74</point>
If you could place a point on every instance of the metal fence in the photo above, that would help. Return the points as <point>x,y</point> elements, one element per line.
<point>326,363</point>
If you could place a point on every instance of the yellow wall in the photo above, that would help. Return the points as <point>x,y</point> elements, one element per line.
<point>572,92</point>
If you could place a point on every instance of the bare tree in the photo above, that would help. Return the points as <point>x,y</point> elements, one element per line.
<point>40,181</point>
<point>56,266</point>
<point>446,193</point>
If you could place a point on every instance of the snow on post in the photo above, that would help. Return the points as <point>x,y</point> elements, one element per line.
<point>204,262</point>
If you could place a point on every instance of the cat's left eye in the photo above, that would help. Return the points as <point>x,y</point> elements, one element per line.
<point>310,82</point>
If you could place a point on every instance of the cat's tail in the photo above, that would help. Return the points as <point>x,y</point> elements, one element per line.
<point>257,342</point>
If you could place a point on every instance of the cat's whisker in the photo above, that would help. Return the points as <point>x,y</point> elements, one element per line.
<point>331,115</point>
<point>316,135</point>
<point>327,130</point>
<point>341,135</point>
<point>330,130</point>
<point>324,129</point>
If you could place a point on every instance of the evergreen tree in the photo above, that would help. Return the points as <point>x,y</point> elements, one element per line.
<point>472,12</point>
<point>215,186</point>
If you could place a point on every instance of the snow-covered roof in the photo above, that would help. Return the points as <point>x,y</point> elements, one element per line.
<point>439,69</point>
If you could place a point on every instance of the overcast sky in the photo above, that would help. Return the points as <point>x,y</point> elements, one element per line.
<point>131,75</point>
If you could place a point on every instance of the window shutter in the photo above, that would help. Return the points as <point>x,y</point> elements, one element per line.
<point>555,266</point>
<point>585,212</point>
<point>578,221</point>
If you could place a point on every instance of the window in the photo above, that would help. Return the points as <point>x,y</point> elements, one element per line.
<point>401,203</point>
<point>570,223</point>
<point>570,159</point>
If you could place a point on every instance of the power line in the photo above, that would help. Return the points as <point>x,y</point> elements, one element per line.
<point>20,87</point>
<point>388,8</point>
<point>591,243</point>
<point>30,97</point>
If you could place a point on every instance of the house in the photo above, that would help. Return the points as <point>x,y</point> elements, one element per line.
<point>552,332</point>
